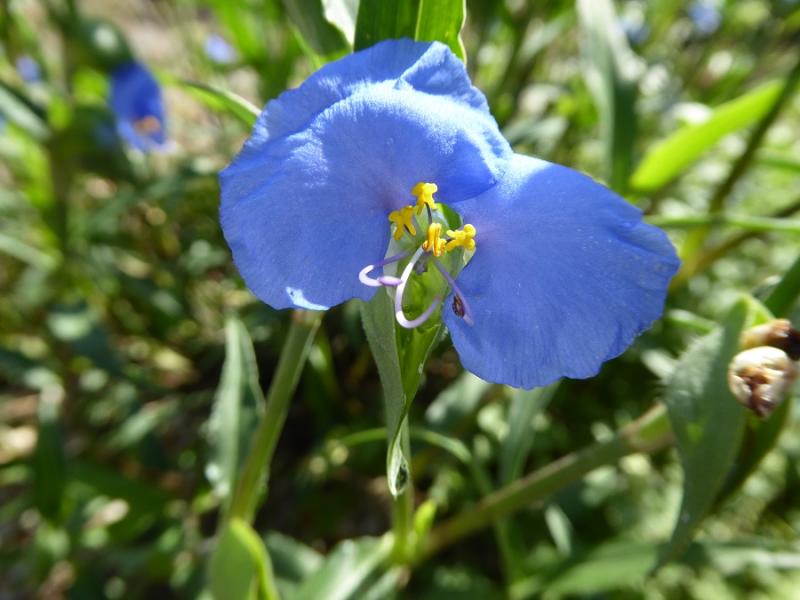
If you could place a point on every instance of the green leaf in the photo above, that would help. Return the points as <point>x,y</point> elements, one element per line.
<point>348,571</point>
<point>22,113</point>
<point>291,559</point>
<point>240,567</point>
<point>760,436</point>
<point>605,568</point>
<point>460,581</point>
<point>708,423</point>
<point>385,19</point>
<point>378,319</point>
<point>670,157</point>
<point>423,521</point>
<point>459,400</point>
<point>237,406</point>
<point>141,423</point>
<point>342,14</point>
<point>762,554</point>
<point>245,32</point>
<point>400,355</point>
<point>21,370</point>
<point>452,445</point>
<point>319,33</point>
<point>525,405</point>
<point>221,100</point>
<point>49,460</point>
<point>560,528</point>
<point>142,497</point>
<point>620,564</point>
<point>425,20</point>
<point>145,501</point>
<point>610,69</point>
<point>79,326</point>
<point>22,250</point>
<point>784,295</point>
<point>442,20</point>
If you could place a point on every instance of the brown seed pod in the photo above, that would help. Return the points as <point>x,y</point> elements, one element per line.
<point>778,334</point>
<point>761,377</point>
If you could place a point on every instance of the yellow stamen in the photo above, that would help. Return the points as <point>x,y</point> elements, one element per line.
<point>403,220</point>
<point>463,237</point>
<point>424,193</point>
<point>434,243</point>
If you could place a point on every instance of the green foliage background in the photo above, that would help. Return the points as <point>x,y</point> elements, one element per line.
<point>130,351</point>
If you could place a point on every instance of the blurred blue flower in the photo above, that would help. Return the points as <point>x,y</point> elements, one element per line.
<point>28,69</point>
<point>219,50</point>
<point>343,176</point>
<point>636,34</point>
<point>705,16</point>
<point>136,102</point>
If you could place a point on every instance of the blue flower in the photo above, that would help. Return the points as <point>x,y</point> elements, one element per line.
<point>549,273</point>
<point>219,50</point>
<point>705,16</point>
<point>28,69</point>
<point>136,103</point>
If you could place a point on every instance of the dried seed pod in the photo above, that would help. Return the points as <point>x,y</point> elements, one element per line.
<point>760,378</point>
<point>778,334</point>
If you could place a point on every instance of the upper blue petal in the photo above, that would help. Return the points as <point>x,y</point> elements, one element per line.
<point>305,204</point>
<point>427,67</point>
<point>136,96</point>
<point>564,277</point>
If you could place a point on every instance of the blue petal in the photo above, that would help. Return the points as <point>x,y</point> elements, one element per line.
<point>219,50</point>
<point>136,98</point>
<point>304,213</point>
<point>428,67</point>
<point>28,69</point>
<point>564,277</point>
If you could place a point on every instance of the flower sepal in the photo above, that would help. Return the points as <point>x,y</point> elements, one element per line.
<point>400,355</point>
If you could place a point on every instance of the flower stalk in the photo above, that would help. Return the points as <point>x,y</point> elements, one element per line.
<point>403,508</point>
<point>255,473</point>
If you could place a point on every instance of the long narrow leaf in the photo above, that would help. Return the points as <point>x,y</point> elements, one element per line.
<point>442,20</point>
<point>610,69</point>
<point>672,156</point>
<point>707,421</point>
<point>385,19</point>
<point>238,402</point>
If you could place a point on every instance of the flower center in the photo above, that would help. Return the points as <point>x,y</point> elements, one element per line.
<point>419,237</point>
<point>147,125</point>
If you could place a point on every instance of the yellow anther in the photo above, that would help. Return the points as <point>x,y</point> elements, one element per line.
<point>434,243</point>
<point>403,221</point>
<point>463,237</point>
<point>424,193</point>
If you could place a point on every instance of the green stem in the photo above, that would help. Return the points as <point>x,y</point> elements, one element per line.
<point>255,472</point>
<point>403,507</point>
<point>712,254</point>
<point>649,433</point>
<point>757,224</point>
